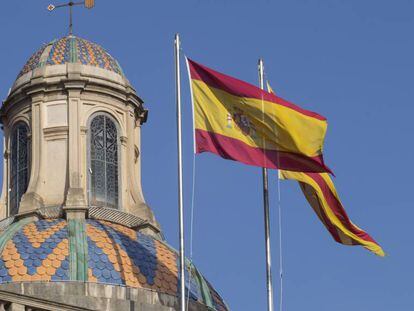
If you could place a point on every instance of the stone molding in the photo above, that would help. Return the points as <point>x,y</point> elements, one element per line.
<point>16,301</point>
<point>55,132</point>
<point>74,296</point>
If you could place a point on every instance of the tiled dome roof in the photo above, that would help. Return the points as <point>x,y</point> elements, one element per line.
<point>95,251</point>
<point>71,49</point>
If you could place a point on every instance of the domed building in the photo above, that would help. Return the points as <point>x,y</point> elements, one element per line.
<point>76,232</point>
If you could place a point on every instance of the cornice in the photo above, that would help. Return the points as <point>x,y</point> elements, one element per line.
<point>41,86</point>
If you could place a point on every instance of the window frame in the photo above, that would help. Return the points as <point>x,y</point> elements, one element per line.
<point>14,209</point>
<point>89,160</point>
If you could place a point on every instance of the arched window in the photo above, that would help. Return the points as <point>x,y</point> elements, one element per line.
<point>19,165</point>
<point>103,181</point>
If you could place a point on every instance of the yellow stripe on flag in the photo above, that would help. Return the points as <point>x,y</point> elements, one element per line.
<point>321,194</point>
<point>276,127</point>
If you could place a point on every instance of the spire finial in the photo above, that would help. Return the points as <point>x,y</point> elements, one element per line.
<point>89,4</point>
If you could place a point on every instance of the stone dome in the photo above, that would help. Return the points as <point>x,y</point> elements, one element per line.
<point>95,251</point>
<point>71,49</point>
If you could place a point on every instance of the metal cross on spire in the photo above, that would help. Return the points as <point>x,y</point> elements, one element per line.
<point>89,4</point>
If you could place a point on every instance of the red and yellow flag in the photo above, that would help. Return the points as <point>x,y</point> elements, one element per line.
<point>321,194</point>
<point>241,122</point>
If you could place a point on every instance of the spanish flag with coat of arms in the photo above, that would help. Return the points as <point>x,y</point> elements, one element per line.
<point>320,192</point>
<point>241,122</point>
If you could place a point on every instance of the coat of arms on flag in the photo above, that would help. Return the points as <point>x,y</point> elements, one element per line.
<point>241,122</point>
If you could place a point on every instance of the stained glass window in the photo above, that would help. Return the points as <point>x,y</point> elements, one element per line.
<point>103,162</point>
<point>19,165</point>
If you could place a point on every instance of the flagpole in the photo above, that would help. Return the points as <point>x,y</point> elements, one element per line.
<point>180,169</point>
<point>266,216</point>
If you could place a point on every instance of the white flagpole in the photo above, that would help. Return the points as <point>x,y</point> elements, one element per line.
<point>180,170</point>
<point>266,216</point>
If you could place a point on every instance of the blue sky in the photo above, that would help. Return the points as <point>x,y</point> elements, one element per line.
<point>351,61</point>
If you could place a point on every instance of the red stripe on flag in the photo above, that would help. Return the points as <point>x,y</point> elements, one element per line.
<point>311,194</point>
<point>233,149</point>
<point>240,88</point>
<point>338,209</point>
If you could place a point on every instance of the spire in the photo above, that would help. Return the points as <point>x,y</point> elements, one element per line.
<point>89,4</point>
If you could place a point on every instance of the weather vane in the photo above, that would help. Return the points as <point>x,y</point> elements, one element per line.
<point>89,4</point>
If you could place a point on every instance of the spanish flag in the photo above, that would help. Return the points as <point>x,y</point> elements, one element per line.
<point>241,122</point>
<point>321,194</point>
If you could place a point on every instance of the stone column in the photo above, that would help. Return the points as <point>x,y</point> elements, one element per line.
<point>75,203</point>
<point>32,200</point>
<point>132,166</point>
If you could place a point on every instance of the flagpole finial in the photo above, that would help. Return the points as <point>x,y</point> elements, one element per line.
<point>89,4</point>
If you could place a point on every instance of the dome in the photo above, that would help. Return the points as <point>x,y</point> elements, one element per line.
<point>47,250</point>
<point>71,49</point>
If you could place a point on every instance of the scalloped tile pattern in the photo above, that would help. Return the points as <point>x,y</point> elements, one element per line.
<point>40,251</point>
<point>72,49</point>
<point>33,61</point>
<point>60,52</point>
<point>90,53</point>
<point>121,255</point>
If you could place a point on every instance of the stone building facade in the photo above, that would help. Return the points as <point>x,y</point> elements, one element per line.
<point>76,232</point>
